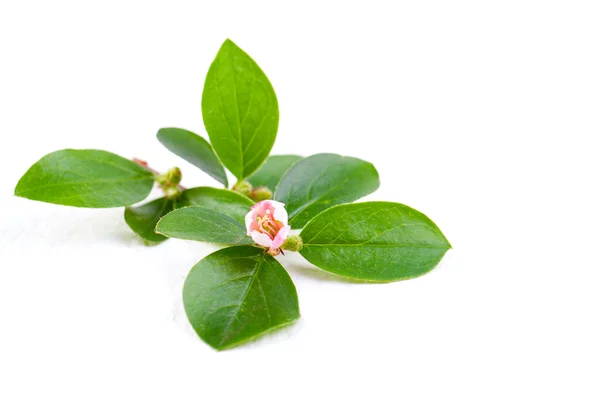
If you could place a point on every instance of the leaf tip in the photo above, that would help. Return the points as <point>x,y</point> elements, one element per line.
<point>19,186</point>
<point>228,44</point>
<point>377,180</point>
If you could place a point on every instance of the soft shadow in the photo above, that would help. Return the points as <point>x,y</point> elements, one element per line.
<point>54,226</point>
<point>315,273</point>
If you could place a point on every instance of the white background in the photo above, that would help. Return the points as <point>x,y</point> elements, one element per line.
<point>481,114</point>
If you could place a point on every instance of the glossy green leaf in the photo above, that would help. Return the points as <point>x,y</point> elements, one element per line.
<point>236,294</point>
<point>374,241</point>
<point>143,219</point>
<point>204,225</point>
<point>270,173</point>
<point>85,178</point>
<point>318,182</point>
<point>194,149</point>
<point>240,110</point>
<point>223,201</point>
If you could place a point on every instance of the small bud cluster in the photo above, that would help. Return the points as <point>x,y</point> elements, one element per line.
<point>169,183</point>
<point>257,194</point>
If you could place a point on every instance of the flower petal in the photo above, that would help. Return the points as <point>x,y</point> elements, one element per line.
<point>281,236</point>
<point>249,219</point>
<point>275,203</point>
<point>280,214</point>
<point>263,206</point>
<point>261,239</point>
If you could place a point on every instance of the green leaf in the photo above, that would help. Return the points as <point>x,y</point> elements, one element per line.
<point>318,182</point>
<point>270,173</point>
<point>374,241</point>
<point>223,201</point>
<point>85,178</point>
<point>194,149</point>
<point>240,110</point>
<point>204,225</point>
<point>143,219</point>
<point>236,294</point>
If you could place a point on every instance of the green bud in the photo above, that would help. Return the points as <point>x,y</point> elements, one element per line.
<point>169,182</point>
<point>292,243</point>
<point>170,178</point>
<point>243,187</point>
<point>261,193</point>
<point>173,176</point>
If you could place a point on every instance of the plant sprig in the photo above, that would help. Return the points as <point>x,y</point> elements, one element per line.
<point>242,291</point>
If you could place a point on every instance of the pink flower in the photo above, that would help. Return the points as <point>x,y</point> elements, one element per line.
<point>267,224</point>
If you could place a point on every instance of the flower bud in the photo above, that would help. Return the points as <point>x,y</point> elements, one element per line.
<point>169,182</point>
<point>243,187</point>
<point>261,193</point>
<point>173,176</point>
<point>292,243</point>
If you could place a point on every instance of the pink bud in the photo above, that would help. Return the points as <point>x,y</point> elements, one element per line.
<point>267,224</point>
